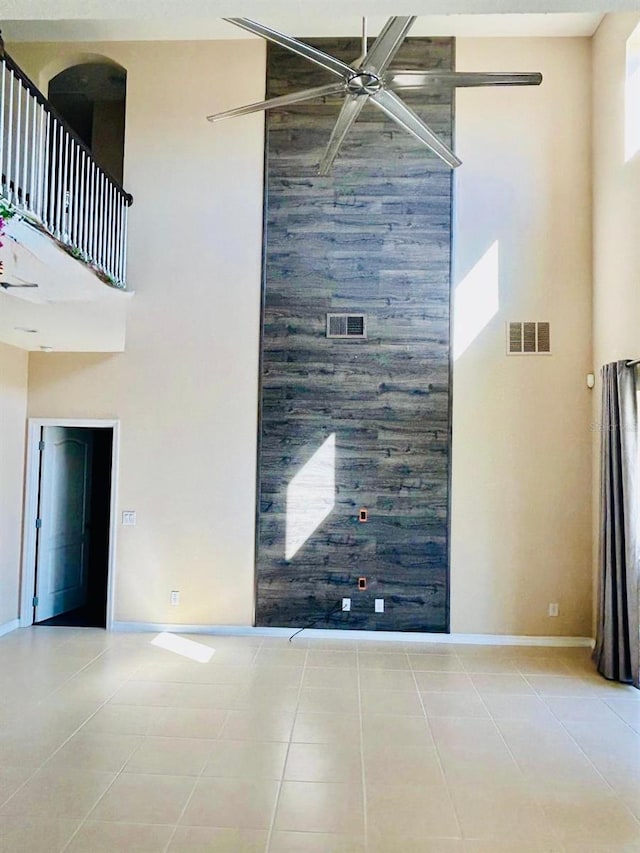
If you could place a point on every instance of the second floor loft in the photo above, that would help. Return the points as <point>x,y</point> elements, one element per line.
<point>63,223</point>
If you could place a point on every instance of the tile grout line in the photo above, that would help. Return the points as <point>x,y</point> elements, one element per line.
<point>504,740</point>
<point>176,826</point>
<point>601,775</point>
<point>435,746</point>
<point>73,733</point>
<point>362,764</point>
<point>286,756</point>
<point>144,737</point>
<point>118,773</point>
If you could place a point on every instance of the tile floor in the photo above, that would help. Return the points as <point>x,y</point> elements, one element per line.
<point>109,743</point>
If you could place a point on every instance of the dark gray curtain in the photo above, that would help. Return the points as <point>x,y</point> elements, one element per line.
<point>617,651</point>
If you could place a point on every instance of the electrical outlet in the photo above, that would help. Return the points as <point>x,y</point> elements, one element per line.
<point>128,517</point>
<point>174,598</point>
<point>379,605</point>
<point>346,605</point>
<point>554,609</point>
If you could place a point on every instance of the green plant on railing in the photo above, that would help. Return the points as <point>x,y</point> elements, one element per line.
<point>78,254</point>
<point>6,212</point>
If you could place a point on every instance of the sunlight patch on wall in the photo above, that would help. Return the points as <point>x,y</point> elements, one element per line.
<point>632,97</point>
<point>186,648</point>
<point>476,300</point>
<point>310,496</point>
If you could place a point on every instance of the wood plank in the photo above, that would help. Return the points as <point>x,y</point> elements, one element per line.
<point>374,237</point>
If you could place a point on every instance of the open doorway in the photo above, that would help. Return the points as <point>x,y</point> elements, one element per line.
<point>69,524</point>
<point>91,98</point>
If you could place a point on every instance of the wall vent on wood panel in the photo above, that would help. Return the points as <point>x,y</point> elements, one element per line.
<point>346,326</point>
<point>528,338</point>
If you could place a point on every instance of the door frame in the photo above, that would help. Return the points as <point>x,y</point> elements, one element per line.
<point>31,495</point>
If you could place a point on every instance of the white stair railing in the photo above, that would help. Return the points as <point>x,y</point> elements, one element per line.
<point>48,173</point>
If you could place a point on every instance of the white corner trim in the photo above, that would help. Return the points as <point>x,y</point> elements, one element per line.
<point>381,636</point>
<point>8,627</point>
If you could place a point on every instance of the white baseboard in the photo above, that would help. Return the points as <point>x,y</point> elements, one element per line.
<point>8,627</point>
<point>381,636</point>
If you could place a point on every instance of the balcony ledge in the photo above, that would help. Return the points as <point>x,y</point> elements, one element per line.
<point>73,308</point>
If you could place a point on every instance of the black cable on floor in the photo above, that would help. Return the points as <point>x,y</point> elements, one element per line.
<point>337,608</point>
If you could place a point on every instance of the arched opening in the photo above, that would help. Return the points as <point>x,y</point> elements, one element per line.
<point>91,98</point>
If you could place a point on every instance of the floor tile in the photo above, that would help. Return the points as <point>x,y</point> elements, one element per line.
<point>490,664</point>
<point>51,794</point>
<point>234,803</point>
<point>579,708</point>
<point>34,834</point>
<point>95,751</point>
<point>387,679</point>
<point>490,683</point>
<point>281,657</point>
<point>170,756</point>
<point>144,798</point>
<point>444,682</point>
<point>604,820</point>
<point>499,811</point>
<point>320,762</point>
<point>402,765</point>
<point>246,759</point>
<point>108,837</point>
<point>11,778</point>
<point>320,807</point>
<point>399,843</point>
<point>435,663</point>
<point>391,702</point>
<point>121,719</point>
<point>508,749</point>
<point>409,810</point>
<point>317,727</point>
<point>454,705</point>
<point>204,723</point>
<point>205,839</point>
<point>507,706</point>
<point>258,725</point>
<point>330,700</point>
<point>341,678</point>
<point>382,660</point>
<point>314,842</point>
<point>395,730</point>
<point>335,659</point>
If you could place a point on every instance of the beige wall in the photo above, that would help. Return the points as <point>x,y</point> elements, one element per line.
<point>13,412</point>
<point>616,218</point>
<point>616,196</point>
<point>521,535</point>
<point>186,388</point>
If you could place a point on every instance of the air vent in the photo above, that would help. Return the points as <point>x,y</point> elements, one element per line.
<point>528,338</point>
<point>346,326</point>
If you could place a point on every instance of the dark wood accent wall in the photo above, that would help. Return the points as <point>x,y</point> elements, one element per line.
<point>374,237</point>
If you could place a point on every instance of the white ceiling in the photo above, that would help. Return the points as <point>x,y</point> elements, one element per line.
<point>91,21</point>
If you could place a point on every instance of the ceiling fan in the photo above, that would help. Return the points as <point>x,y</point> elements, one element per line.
<point>369,78</point>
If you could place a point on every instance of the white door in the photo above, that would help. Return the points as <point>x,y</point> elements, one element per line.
<point>64,515</point>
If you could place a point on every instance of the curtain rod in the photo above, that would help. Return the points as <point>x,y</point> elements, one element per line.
<point>633,363</point>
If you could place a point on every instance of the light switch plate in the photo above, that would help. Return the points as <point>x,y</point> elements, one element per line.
<point>379,605</point>
<point>128,517</point>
